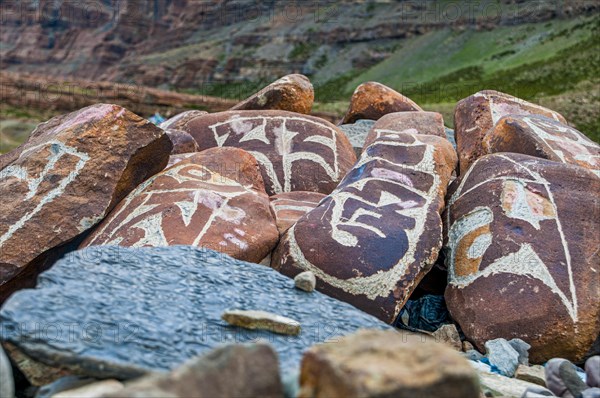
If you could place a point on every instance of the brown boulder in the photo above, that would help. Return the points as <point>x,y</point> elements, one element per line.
<point>179,121</point>
<point>371,241</point>
<point>288,207</point>
<point>374,363</point>
<point>545,138</point>
<point>213,199</point>
<point>431,123</point>
<point>182,142</point>
<point>69,174</point>
<point>474,116</point>
<point>293,93</point>
<point>522,255</point>
<point>230,371</point>
<point>296,152</point>
<point>372,100</point>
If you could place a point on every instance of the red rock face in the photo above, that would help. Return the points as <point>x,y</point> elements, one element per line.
<point>288,207</point>
<point>431,123</point>
<point>543,137</point>
<point>522,255</point>
<point>70,173</point>
<point>474,116</point>
<point>371,241</point>
<point>182,142</point>
<point>179,121</point>
<point>212,199</point>
<point>295,152</point>
<point>372,100</point>
<point>293,93</point>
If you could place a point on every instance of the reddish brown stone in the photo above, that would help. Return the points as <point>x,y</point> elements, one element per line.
<point>372,100</point>
<point>213,199</point>
<point>182,142</point>
<point>371,241</point>
<point>69,174</point>
<point>293,93</point>
<point>430,123</point>
<point>522,254</point>
<point>474,116</point>
<point>296,152</point>
<point>543,137</point>
<point>288,207</point>
<point>179,121</point>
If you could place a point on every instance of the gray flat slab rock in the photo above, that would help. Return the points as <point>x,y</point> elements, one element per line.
<point>120,312</point>
<point>357,132</point>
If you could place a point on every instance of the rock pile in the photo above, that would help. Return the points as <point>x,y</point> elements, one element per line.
<point>190,234</point>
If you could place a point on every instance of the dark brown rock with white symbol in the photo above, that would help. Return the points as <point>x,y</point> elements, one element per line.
<point>523,237</point>
<point>288,207</point>
<point>69,174</point>
<point>296,152</point>
<point>372,100</point>
<point>431,123</point>
<point>474,116</point>
<point>213,199</point>
<point>371,241</point>
<point>545,138</point>
<point>292,93</point>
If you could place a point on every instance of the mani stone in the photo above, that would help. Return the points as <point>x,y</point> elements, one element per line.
<point>545,138</point>
<point>374,363</point>
<point>288,207</point>
<point>523,237</point>
<point>262,320</point>
<point>305,281</point>
<point>372,100</point>
<point>296,152</point>
<point>182,142</point>
<point>120,312</point>
<point>65,178</point>
<point>357,133</point>
<point>214,199</point>
<point>234,370</point>
<point>474,116</point>
<point>430,123</point>
<point>293,93</point>
<point>373,239</point>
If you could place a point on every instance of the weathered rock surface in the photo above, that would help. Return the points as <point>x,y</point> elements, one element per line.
<point>37,373</point>
<point>533,374</point>
<point>182,142</point>
<point>474,116</point>
<point>495,385</point>
<point>372,100</point>
<point>357,133</point>
<point>431,123</point>
<point>7,383</point>
<point>448,335</point>
<point>505,214</point>
<point>288,207</point>
<point>383,364</point>
<point>214,199</point>
<point>123,312</point>
<point>262,320</point>
<point>293,93</point>
<point>234,370</point>
<point>543,137</point>
<point>305,281</point>
<point>371,241</point>
<point>179,121</point>
<point>296,152</point>
<point>503,356</point>
<point>69,174</point>
<point>94,390</point>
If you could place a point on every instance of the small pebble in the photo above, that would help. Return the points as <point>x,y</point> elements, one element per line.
<point>305,281</point>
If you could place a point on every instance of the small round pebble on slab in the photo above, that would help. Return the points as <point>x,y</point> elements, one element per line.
<point>262,320</point>
<point>305,281</point>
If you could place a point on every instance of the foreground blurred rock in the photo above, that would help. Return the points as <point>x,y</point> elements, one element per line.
<point>524,231</point>
<point>231,371</point>
<point>130,311</point>
<point>7,383</point>
<point>69,174</point>
<point>383,364</point>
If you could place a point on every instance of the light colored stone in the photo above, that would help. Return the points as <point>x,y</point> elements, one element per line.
<point>467,346</point>
<point>495,385</point>
<point>7,383</point>
<point>522,348</point>
<point>94,390</point>
<point>262,320</point>
<point>375,364</point>
<point>305,281</point>
<point>503,356</point>
<point>533,374</point>
<point>448,335</point>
